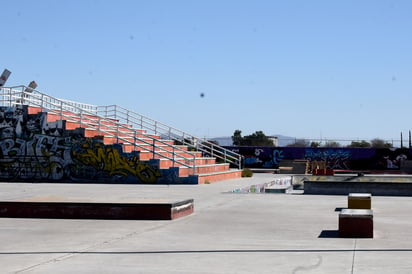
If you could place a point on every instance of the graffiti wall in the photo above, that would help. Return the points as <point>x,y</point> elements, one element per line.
<point>32,149</point>
<point>335,158</point>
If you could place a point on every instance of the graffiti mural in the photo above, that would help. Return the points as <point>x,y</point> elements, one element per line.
<point>335,158</point>
<point>108,161</point>
<point>33,149</point>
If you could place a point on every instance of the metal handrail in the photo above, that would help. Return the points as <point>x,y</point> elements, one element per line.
<point>88,119</point>
<point>157,128</point>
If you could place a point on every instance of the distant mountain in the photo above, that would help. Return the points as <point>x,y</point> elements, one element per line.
<point>223,141</point>
<point>282,140</point>
<point>285,140</point>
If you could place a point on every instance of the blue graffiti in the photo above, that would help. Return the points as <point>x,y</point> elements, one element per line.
<point>334,159</point>
<point>276,157</point>
<point>252,160</point>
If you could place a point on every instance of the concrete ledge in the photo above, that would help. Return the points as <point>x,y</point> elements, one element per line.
<point>93,210</point>
<point>356,223</point>
<point>344,188</point>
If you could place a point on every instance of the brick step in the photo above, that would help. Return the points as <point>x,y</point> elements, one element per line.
<point>73,121</point>
<point>206,170</point>
<point>147,155</point>
<point>219,176</point>
<point>166,163</point>
<point>89,132</point>
<point>148,142</point>
<point>93,126</point>
<point>160,147</point>
<point>133,133</point>
<point>203,169</point>
<point>138,139</point>
<point>34,110</point>
<point>75,118</point>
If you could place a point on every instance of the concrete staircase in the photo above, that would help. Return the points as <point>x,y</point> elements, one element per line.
<point>164,153</point>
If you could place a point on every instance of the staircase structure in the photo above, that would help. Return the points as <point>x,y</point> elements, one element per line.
<point>186,158</point>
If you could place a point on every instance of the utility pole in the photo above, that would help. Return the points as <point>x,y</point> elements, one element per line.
<point>401,140</point>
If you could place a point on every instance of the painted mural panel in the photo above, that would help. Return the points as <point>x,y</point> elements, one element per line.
<point>31,149</point>
<point>335,158</point>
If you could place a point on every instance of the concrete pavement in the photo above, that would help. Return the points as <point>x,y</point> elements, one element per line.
<point>227,233</point>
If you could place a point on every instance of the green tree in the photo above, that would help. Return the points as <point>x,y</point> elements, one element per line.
<point>315,144</point>
<point>379,143</point>
<point>361,144</point>
<point>237,138</point>
<point>256,139</point>
<point>331,144</point>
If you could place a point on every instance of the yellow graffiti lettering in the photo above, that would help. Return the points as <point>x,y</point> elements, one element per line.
<point>109,159</point>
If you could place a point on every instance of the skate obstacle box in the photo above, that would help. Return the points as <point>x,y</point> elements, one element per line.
<point>360,201</point>
<point>356,223</point>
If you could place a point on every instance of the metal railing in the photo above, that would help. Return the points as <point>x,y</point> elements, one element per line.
<point>84,116</point>
<point>154,127</point>
<point>126,126</point>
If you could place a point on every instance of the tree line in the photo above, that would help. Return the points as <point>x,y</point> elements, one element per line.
<point>260,139</point>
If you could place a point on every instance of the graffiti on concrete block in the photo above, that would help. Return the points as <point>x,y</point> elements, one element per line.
<point>107,161</point>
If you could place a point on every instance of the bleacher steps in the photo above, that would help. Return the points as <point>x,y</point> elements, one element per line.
<point>110,132</point>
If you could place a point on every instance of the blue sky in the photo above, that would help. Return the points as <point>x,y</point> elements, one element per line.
<point>307,69</point>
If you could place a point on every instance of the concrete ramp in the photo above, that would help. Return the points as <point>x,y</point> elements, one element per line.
<point>44,207</point>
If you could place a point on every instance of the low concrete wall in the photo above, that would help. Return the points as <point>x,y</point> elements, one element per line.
<point>344,188</point>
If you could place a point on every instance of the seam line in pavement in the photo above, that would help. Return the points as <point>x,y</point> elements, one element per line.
<point>353,256</point>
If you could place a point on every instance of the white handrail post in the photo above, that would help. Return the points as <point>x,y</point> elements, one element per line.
<point>81,117</point>
<point>174,156</point>
<point>194,165</point>
<point>134,140</point>
<point>22,97</point>
<point>10,97</point>
<point>117,132</point>
<point>99,125</point>
<point>61,112</point>
<point>127,117</point>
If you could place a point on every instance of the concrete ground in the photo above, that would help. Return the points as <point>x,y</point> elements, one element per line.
<point>227,233</point>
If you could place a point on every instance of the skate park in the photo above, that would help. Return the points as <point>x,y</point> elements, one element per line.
<point>165,216</point>
<point>110,129</point>
<point>228,232</point>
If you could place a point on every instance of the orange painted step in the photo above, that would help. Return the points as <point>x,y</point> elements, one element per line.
<point>166,163</point>
<point>216,177</point>
<point>183,171</point>
<point>147,155</point>
<point>34,110</point>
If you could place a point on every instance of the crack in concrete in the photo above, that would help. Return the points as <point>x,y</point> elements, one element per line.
<point>353,256</point>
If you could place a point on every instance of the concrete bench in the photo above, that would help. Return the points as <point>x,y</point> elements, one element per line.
<point>360,201</point>
<point>356,223</point>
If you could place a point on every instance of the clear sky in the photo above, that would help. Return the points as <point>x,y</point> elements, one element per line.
<point>308,69</point>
